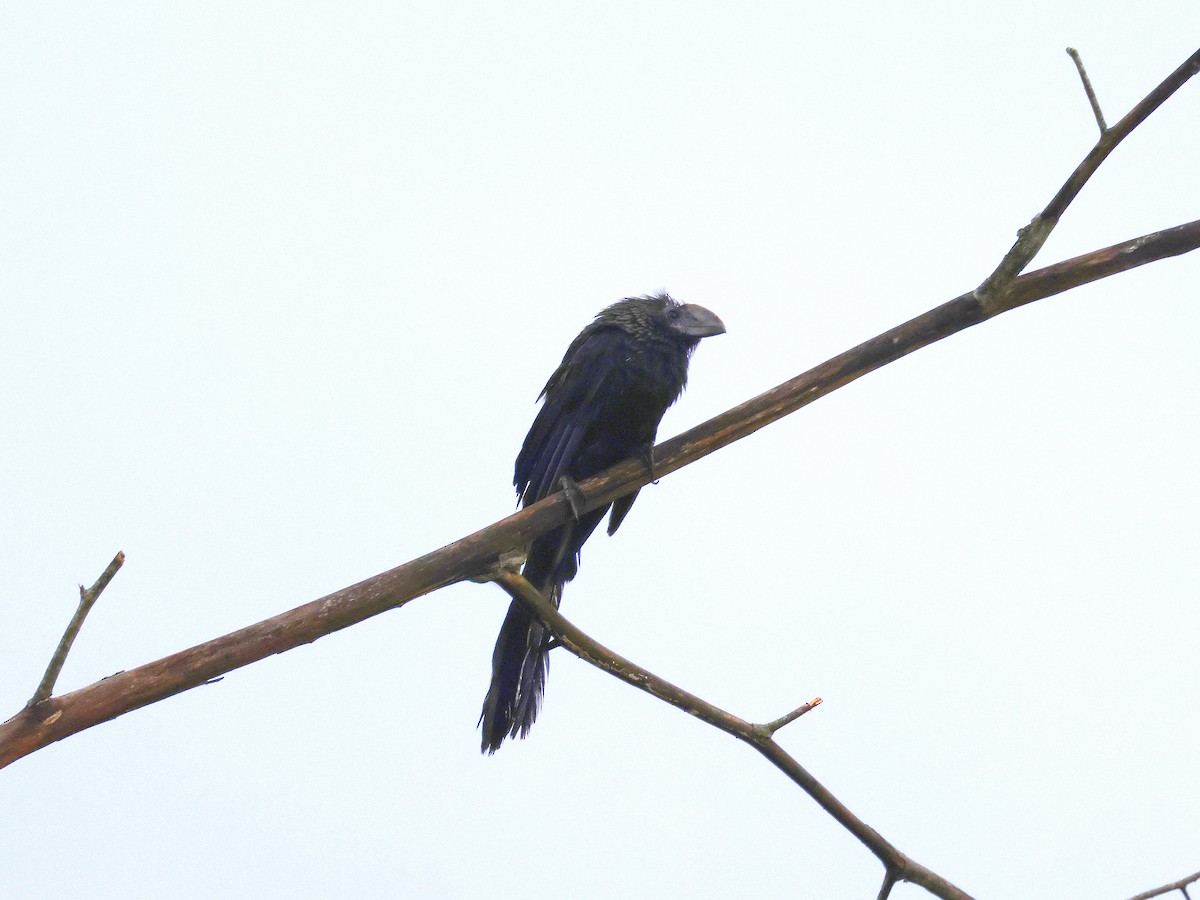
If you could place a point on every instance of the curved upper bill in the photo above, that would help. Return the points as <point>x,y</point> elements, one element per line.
<point>698,322</point>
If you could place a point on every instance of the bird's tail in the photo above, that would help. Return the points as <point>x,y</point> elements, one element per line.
<point>522,654</point>
<point>518,677</point>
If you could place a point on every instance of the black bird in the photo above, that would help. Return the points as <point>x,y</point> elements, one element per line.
<point>602,405</point>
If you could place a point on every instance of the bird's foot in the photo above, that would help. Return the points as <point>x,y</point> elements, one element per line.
<point>574,496</point>
<point>647,458</point>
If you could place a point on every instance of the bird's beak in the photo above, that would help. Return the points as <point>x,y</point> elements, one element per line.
<point>698,322</point>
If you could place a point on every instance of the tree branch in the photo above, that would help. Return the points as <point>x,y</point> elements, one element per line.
<point>55,718</point>
<point>1087,88</point>
<point>87,599</point>
<point>47,719</point>
<point>897,865</point>
<point>1181,885</point>
<point>59,717</point>
<point>770,728</point>
<point>1033,236</point>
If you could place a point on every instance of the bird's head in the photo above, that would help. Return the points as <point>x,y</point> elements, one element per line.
<point>662,315</point>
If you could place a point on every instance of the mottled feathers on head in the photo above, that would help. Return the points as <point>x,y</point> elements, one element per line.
<point>650,318</point>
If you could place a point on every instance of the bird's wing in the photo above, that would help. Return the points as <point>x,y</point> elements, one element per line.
<point>568,411</point>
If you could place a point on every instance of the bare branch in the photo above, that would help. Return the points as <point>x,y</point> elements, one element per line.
<point>87,599</point>
<point>1180,885</point>
<point>1033,236</point>
<point>59,717</point>
<point>1099,264</point>
<point>770,728</point>
<point>592,651</point>
<point>889,881</point>
<point>898,865</point>
<point>1087,87</point>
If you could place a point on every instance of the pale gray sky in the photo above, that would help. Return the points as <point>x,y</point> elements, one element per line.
<point>281,283</point>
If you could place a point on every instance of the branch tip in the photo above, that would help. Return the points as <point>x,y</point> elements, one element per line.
<point>768,730</point>
<point>1087,87</point>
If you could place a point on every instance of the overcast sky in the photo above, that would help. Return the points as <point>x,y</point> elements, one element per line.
<point>281,283</point>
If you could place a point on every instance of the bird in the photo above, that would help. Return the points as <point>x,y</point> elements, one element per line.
<point>602,405</point>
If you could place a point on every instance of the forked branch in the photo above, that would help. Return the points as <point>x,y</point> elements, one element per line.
<point>1033,236</point>
<point>59,717</point>
<point>896,864</point>
<point>1181,885</point>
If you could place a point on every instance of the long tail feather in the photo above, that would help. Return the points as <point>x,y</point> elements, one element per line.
<point>520,659</point>
<point>519,665</point>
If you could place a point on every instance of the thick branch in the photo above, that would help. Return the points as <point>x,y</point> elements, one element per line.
<point>897,864</point>
<point>59,717</point>
<point>87,599</point>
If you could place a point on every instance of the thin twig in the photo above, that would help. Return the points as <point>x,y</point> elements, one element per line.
<point>1180,885</point>
<point>771,727</point>
<point>87,599</point>
<point>591,651</point>
<point>889,881</point>
<point>1087,87</point>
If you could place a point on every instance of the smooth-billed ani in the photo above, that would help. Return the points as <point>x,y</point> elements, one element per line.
<point>602,405</point>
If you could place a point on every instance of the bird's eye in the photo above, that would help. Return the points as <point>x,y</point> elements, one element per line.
<point>673,312</point>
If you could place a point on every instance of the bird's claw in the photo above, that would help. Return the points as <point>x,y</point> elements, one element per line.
<point>647,458</point>
<point>575,497</point>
